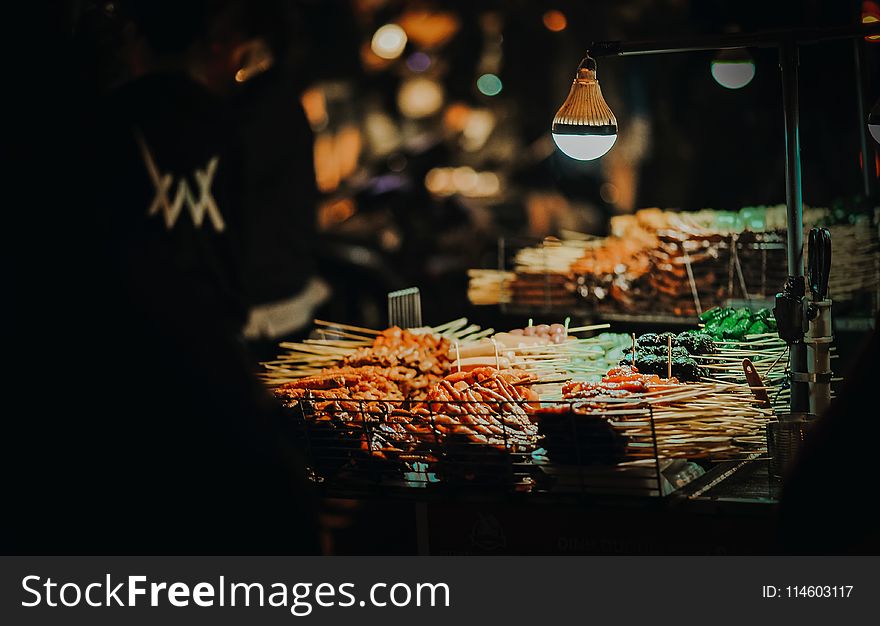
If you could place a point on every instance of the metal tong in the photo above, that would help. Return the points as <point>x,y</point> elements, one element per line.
<point>818,262</point>
<point>405,308</point>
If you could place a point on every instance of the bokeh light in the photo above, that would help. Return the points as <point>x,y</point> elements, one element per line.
<point>555,20</point>
<point>418,62</point>
<point>429,28</point>
<point>389,41</point>
<point>463,180</point>
<point>420,97</point>
<point>871,15</point>
<point>439,181</point>
<point>609,193</point>
<point>489,85</point>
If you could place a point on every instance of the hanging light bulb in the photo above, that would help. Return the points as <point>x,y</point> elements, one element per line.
<point>733,69</point>
<point>584,127</point>
<point>874,122</point>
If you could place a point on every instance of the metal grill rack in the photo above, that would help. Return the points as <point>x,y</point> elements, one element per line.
<point>688,274</point>
<point>359,446</point>
<point>704,273</point>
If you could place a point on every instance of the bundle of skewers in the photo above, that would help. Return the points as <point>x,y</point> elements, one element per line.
<point>487,287</point>
<point>335,344</point>
<point>698,420</point>
<point>417,394</point>
<point>681,263</point>
<point>767,353</point>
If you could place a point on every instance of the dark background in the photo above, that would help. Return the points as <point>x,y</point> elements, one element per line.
<point>685,142</point>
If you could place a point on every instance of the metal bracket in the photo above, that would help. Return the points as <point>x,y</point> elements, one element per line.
<point>819,377</point>
<point>819,340</point>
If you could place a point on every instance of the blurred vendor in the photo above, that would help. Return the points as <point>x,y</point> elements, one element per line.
<point>279,193</point>
<point>156,436</point>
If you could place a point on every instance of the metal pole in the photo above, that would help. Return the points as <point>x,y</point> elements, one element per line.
<point>765,39</point>
<point>787,42</point>
<point>868,182</point>
<point>788,64</point>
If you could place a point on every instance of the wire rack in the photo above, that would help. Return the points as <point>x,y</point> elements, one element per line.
<point>686,277</point>
<point>580,447</point>
<point>686,274</point>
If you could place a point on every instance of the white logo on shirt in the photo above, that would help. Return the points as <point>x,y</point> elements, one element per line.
<point>184,195</point>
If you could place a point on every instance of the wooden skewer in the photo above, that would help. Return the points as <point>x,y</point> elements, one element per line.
<point>313,349</point>
<point>352,340</point>
<point>769,369</point>
<point>479,335</point>
<point>466,331</point>
<point>583,329</point>
<point>358,329</point>
<point>450,327</point>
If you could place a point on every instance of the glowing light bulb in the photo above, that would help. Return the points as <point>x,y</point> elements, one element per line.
<point>733,69</point>
<point>584,127</point>
<point>874,122</point>
<point>389,41</point>
<point>584,147</point>
<point>733,75</point>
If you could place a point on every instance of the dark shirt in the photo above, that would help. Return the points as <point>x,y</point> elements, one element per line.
<point>828,503</point>
<point>149,433</point>
<point>280,193</point>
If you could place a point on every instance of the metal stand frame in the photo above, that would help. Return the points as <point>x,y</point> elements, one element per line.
<point>787,42</point>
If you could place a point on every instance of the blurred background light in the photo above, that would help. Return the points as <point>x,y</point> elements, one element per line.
<point>609,193</point>
<point>464,179</point>
<point>555,20</point>
<point>870,15</point>
<point>489,85</point>
<point>439,181</point>
<point>389,41</point>
<point>419,97</point>
<point>418,62</point>
<point>429,28</point>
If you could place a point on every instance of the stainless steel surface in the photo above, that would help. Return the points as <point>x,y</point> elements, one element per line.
<point>785,438</point>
